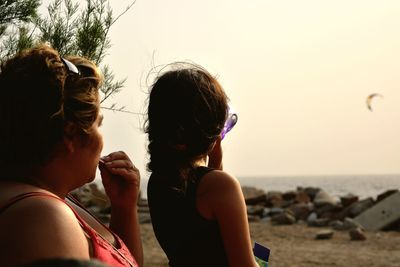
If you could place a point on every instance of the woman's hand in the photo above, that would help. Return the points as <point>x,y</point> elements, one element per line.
<point>121,179</point>
<point>215,155</point>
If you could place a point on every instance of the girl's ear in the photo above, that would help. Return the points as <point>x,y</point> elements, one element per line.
<point>70,132</point>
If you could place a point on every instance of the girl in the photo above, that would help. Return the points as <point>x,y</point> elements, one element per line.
<point>197,210</point>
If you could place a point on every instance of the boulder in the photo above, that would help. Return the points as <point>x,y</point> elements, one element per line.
<point>310,191</point>
<point>345,225</point>
<point>253,218</point>
<point>274,211</point>
<point>381,215</point>
<point>283,218</point>
<point>324,234</point>
<point>301,210</point>
<point>357,234</point>
<point>384,195</point>
<point>322,198</point>
<point>255,210</point>
<point>90,195</point>
<point>289,195</point>
<point>348,199</point>
<point>253,195</point>
<point>302,197</point>
<point>357,208</point>
<point>273,199</point>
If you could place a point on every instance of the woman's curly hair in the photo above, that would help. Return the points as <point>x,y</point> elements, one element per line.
<point>39,97</point>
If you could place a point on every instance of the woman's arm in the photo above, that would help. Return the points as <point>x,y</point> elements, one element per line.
<point>121,180</point>
<point>220,197</point>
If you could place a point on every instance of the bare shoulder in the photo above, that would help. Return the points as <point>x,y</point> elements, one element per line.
<point>40,227</point>
<point>218,182</point>
<point>218,190</point>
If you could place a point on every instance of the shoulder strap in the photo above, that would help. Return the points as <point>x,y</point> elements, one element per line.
<point>20,197</point>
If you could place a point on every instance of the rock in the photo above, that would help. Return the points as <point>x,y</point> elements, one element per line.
<point>283,218</point>
<point>253,218</point>
<point>348,199</point>
<point>312,217</point>
<point>328,210</point>
<point>322,198</point>
<point>287,203</point>
<point>325,234</point>
<point>273,199</point>
<point>274,211</point>
<point>349,223</point>
<point>143,209</point>
<point>337,225</point>
<point>357,234</point>
<point>346,225</point>
<point>253,195</point>
<point>357,208</point>
<point>301,210</point>
<point>144,218</point>
<point>384,195</point>
<point>255,210</point>
<point>381,215</point>
<point>310,191</point>
<point>302,197</point>
<point>266,212</point>
<point>289,195</point>
<point>90,195</point>
<point>143,202</point>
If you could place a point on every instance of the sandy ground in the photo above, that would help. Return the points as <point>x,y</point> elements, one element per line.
<point>295,246</point>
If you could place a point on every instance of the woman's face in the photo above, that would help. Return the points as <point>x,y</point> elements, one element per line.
<point>94,146</point>
<point>88,152</point>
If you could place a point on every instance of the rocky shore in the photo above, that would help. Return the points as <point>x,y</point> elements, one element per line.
<point>303,227</point>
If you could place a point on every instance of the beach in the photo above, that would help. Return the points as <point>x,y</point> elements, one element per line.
<point>288,223</point>
<point>296,246</point>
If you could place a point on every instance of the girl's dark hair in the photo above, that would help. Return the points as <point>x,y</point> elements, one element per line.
<point>186,113</point>
<point>39,97</point>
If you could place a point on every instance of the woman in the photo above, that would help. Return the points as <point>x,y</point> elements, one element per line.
<point>197,210</point>
<point>50,145</point>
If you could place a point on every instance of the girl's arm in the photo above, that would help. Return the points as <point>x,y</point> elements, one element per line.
<point>220,198</point>
<point>215,155</point>
<point>121,180</point>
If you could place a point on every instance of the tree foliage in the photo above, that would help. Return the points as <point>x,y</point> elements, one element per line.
<point>70,27</point>
<point>16,11</point>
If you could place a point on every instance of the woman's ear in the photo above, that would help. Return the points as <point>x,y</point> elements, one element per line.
<point>69,139</point>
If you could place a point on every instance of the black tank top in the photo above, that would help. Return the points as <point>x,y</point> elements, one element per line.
<point>187,238</point>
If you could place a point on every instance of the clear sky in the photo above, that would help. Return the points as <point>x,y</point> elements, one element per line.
<point>297,72</point>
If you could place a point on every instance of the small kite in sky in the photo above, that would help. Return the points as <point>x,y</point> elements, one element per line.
<point>369,100</point>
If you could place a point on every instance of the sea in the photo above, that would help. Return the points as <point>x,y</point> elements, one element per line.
<point>363,186</point>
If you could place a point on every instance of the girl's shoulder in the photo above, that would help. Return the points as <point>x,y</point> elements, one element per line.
<point>218,182</point>
<point>217,190</point>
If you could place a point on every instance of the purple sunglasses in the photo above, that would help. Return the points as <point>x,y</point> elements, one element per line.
<point>229,123</point>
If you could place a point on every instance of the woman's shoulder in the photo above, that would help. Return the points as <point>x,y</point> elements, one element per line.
<point>40,211</point>
<point>41,226</point>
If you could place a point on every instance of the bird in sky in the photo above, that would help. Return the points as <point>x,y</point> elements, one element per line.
<point>370,98</point>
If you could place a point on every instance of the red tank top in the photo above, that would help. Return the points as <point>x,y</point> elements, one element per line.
<point>102,249</point>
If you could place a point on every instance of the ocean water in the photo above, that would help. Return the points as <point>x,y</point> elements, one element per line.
<point>360,185</point>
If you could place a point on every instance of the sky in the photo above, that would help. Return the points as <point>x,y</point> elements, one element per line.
<point>297,73</point>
